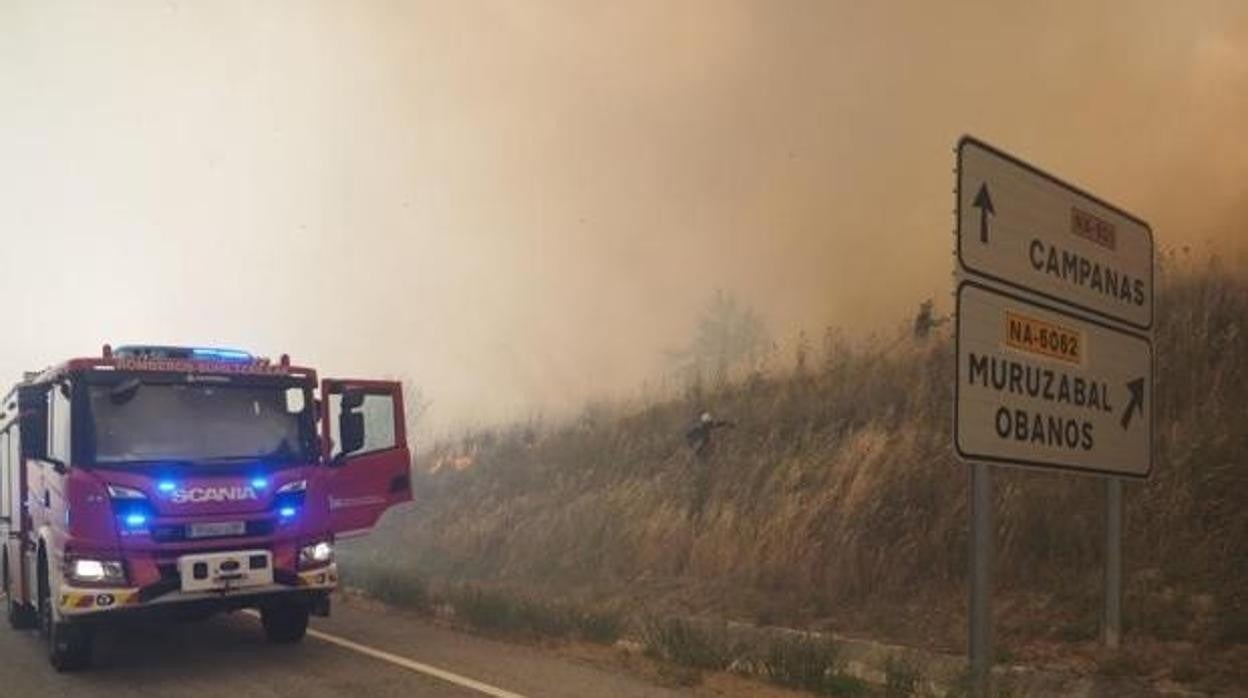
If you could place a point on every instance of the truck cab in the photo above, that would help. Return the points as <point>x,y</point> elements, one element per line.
<point>187,481</point>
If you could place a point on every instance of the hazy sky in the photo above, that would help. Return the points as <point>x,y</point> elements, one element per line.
<point>520,205</point>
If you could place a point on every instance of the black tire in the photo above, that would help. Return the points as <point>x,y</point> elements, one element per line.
<point>284,622</point>
<point>69,644</point>
<point>20,615</point>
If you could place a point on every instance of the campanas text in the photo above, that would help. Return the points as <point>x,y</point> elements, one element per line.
<point>1081,271</point>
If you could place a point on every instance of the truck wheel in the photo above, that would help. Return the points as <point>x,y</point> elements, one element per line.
<point>20,616</point>
<point>284,622</point>
<point>69,645</point>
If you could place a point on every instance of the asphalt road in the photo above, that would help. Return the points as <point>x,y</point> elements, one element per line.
<point>361,652</point>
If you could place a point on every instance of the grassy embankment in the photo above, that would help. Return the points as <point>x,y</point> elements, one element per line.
<point>837,503</point>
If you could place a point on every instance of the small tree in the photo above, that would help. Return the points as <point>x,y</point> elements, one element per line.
<point>728,335</point>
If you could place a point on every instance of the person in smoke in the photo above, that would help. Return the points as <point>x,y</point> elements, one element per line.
<point>926,321</point>
<point>699,436</point>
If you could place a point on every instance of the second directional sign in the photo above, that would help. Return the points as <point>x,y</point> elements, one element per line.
<point>1023,228</point>
<point>1039,387</point>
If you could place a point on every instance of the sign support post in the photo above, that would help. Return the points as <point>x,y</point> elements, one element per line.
<point>981,579</point>
<point>1113,562</point>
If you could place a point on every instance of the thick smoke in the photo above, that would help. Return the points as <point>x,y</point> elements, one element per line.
<point>522,206</point>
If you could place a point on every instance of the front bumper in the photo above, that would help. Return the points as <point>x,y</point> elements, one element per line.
<point>75,602</point>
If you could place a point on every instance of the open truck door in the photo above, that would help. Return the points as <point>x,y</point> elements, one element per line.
<point>366,447</point>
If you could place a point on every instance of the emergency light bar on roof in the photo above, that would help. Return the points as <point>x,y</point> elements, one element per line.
<point>136,351</point>
<point>192,360</point>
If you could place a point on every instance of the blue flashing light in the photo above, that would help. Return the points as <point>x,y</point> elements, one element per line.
<point>166,486</point>
<point>287,512</point>
<point>226,355</point>
<point>259,483</point>
<point>136,520</point>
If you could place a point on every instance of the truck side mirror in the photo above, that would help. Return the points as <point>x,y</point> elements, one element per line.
<point>350,429</point>
<point>351,399</point>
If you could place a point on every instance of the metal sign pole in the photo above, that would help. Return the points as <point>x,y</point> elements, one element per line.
<point>981,591</point>
<point>1113,562</point>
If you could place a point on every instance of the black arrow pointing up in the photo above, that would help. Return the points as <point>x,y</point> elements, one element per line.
<point>983,202</point>
<point>1137,401</point>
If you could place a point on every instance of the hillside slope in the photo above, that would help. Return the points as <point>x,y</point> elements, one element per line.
<point>837,502</point>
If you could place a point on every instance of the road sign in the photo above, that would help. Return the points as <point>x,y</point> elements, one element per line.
<point>1020,227</point>
<point>1041,387</point>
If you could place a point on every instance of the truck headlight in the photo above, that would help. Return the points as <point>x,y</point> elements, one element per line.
<point>316,554</point>
<point>92,571</point>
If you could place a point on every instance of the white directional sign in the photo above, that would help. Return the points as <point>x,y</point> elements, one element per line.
<point>1022,228</point>
<point>1041,387</point>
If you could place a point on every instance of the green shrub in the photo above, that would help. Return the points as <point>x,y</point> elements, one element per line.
<point>685,643</point>
<point>599,626</point>
<point>810,663</point>
<point>902,679</point>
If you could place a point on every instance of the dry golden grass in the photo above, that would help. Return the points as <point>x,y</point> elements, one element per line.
<point>837,500</point>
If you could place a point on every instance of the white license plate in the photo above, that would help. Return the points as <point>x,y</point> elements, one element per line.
<point>216,529</point>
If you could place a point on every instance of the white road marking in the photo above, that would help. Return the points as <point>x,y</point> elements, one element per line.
<point>409,664</point>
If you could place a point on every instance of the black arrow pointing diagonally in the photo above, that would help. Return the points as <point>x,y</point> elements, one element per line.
<point>1137,401</point>
<point>983,202</point>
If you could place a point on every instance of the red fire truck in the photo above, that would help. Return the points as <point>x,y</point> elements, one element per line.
<point>181,482</point>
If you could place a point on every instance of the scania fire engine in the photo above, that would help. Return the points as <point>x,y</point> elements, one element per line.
<point>180,482</point>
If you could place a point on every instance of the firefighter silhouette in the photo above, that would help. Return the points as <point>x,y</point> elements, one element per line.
<point>699,436</point>
<point>700,440</point>
<point>926,321</point>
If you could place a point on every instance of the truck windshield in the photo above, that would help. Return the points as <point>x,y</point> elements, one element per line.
<point>198,423</point>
